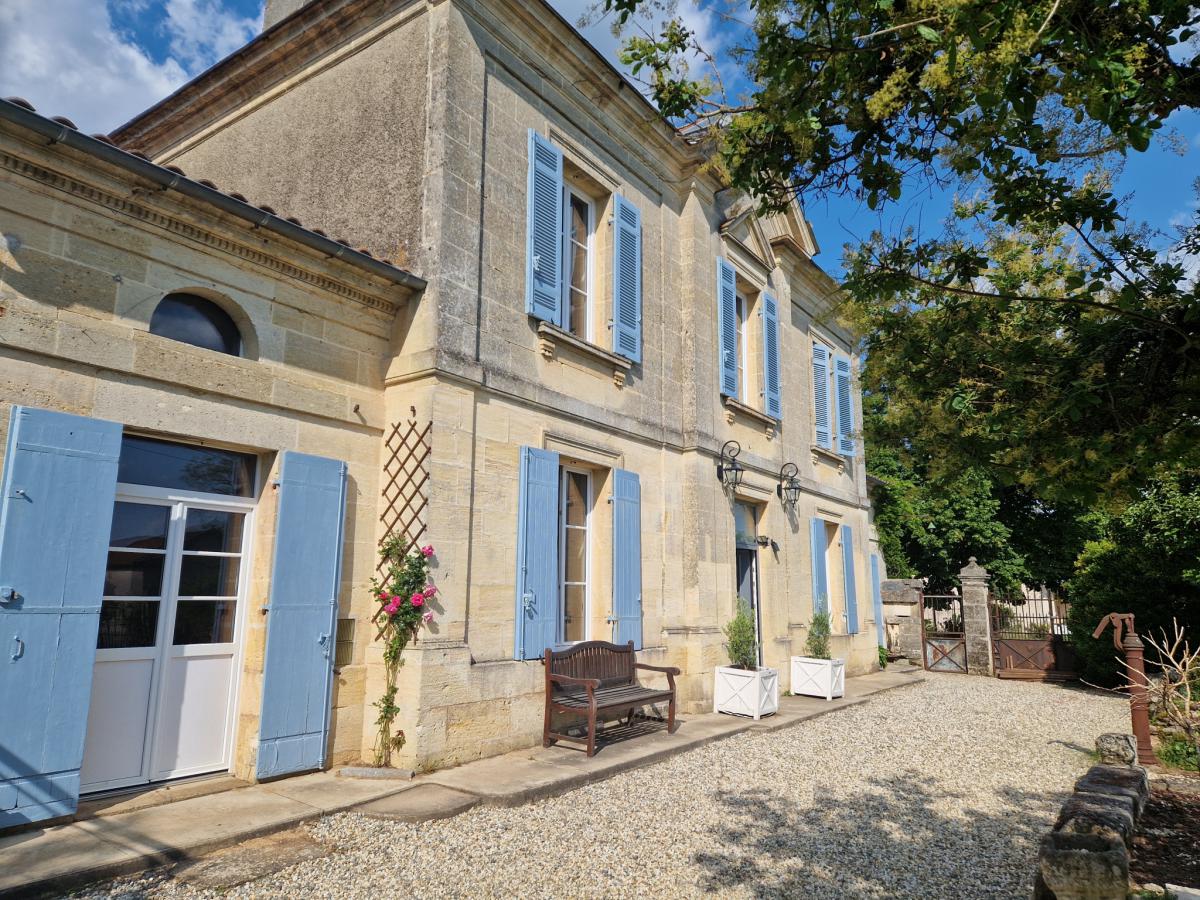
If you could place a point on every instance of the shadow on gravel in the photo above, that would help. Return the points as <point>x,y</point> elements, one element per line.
<point>887,840</point>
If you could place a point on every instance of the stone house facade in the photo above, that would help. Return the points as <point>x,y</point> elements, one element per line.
<point>603,325</point>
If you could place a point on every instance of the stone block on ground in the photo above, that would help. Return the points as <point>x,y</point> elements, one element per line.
<point>1084,866</point>
<point>1117,749</point>
<point>1108,815</point>
<point>1124,781</point>
<point>420,804</point>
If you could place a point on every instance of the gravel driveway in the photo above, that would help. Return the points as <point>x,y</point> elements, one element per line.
<point>942,789</point>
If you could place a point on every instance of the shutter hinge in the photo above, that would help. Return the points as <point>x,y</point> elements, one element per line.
<point>8,594</point>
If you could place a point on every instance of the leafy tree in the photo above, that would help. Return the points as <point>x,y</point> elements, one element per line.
<point>1037,333</point>
<point>1145,560</point>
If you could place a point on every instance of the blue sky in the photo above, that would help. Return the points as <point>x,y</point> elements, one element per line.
<point>99,63</point>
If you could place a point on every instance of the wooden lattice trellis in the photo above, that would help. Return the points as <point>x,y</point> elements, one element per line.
<point>405,479</point>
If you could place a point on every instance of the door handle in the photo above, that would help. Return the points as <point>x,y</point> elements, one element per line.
<point>18,648</point>
<point>527,601</point>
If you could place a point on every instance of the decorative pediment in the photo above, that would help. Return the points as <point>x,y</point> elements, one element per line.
<point>762,236</point>
<point>743,227</point>
<point>790,229</point>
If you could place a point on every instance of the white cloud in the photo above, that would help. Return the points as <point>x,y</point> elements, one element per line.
<point>67,58</point>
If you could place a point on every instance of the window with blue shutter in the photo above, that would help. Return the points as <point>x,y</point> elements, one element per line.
<point>305,579</point>
<point>877,600</point>
<point>821,420</point>
<point>627,558</point>
<point>543,266</point>
<point>627,281</point>
<point>59,484</point>
<point>820,580</point>
<point>848,576</point>
<point>538,597</point>
<point>844,381</point>
<point>771,392</point>
<point>727,326</point>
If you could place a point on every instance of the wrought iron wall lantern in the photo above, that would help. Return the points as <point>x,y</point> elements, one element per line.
<point>789,487</point>
<point>729,470</point>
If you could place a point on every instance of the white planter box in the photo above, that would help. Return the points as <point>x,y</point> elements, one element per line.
<point>818,677</point>
<point>746,692</point>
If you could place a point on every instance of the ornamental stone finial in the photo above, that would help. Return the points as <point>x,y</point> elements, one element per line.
<point>973,570</point>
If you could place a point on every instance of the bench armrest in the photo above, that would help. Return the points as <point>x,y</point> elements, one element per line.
<point>590,683</point>
<point>669,670</point>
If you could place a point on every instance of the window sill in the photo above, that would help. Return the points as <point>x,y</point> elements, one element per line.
<point>550,336</point>
<point>821,455</point>
<point>735,408</point>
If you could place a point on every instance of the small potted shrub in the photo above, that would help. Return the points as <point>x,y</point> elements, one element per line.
<point>744,688</point>
<point>816,675</point>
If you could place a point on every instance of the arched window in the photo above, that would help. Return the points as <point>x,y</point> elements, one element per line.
<point>197,321</point>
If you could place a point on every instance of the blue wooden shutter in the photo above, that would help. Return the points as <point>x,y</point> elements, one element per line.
<point>305,579</point>
<point>820,371</point>
<point>538,601</point>
<point>627,558</point>
<point>727,326</point>
<point>627,281</point>
<point>544,258</point>
<point>770,309</point>
<point>60,478</point>
<point>877,600</point>
<point>842,376</point>
<point>820,581</point>
<point>848,575</point>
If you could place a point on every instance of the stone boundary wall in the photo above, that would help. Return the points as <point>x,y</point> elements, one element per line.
<point>1086,855</point>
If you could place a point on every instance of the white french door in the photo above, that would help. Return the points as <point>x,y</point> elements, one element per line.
<point>170,632</point>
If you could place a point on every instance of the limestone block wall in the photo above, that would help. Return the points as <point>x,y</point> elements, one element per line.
<point>82,267</point>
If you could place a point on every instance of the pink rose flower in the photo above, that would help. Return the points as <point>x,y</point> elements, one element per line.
<point>430,590</point>
<point>427,618</point>
<point>427,551</point>
<point>383,596</point>
<point>392,608</point>
<point>417,600</point>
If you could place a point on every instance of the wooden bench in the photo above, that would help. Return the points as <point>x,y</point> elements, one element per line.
<point>596,677</point>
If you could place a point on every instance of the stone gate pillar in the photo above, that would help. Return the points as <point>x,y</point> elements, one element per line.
<point>977,619</point>
<point>902,615</point>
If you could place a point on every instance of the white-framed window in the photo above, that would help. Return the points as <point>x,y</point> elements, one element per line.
<point>575,563</point>
<point>743,350</point>
<point>579,226</point>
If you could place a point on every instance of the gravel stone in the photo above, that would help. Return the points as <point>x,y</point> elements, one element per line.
<point>941,789</point>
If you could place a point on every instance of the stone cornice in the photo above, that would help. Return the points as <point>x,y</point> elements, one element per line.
<point>213,238</point>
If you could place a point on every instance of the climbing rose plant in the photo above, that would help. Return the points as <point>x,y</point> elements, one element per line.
<point>404,594</point>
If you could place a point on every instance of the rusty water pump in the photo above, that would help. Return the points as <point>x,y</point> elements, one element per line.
<point>1134,651</point>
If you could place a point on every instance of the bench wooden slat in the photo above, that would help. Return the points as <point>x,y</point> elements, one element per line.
<point>614,666</point>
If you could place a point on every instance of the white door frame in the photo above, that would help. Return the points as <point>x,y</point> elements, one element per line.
<point>179,502</point>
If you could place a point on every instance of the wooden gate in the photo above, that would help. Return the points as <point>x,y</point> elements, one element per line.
<point>943,635</point>
<point>1031,645</point>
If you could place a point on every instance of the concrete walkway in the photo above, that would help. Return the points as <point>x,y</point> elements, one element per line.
<point>132,834</point>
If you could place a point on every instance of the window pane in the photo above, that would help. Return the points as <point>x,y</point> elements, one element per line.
<point>133,574</point>
<point>574,613</point>
<point>204,622</point>
<point>140,525</point>
<point>208,576</point>
<point>210,529</point>
<point>127,623</point>
<point>171,465</point>
<point>743,523</point>
<point>197,321</point>
<point>579,219</point>
<point>576,555</point>
<point>579,315</point>
<point>579,267</point>
<point>577,492</point>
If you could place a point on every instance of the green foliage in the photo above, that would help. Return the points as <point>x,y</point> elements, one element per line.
<point>742,644</point>
<point>883,657</point>
<point>1036,334</point>
<point>1179,754</point>
<point>1145,560</point>
<point>404,594</point>
<point>816,645</point>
